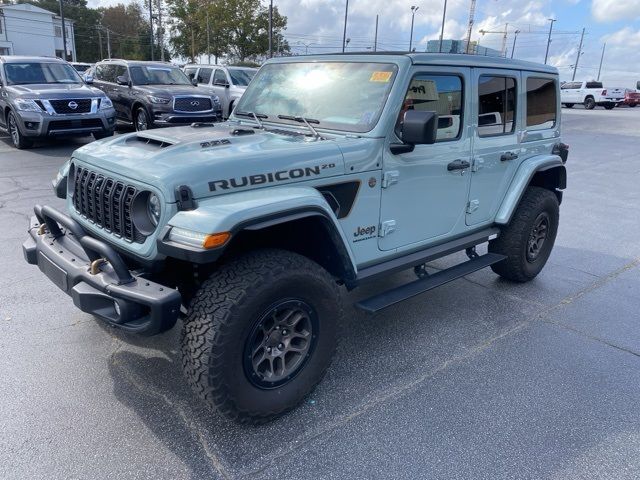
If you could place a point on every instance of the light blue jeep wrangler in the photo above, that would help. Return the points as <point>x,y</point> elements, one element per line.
<point>332,171</point>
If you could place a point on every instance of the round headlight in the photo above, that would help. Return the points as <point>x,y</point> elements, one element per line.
<point>153,208</point>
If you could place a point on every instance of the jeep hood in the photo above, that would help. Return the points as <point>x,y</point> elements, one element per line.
<point>214,160</point>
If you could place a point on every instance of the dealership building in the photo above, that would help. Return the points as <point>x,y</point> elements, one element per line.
<point>29,30</point>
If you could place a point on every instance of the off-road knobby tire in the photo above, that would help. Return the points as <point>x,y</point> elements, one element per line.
<point>513,240</point>
<point>589,103</point>
<point>224,311</point>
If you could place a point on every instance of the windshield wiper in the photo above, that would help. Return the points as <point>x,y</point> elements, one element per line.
<point>306,121</point>
<point>255,116</point>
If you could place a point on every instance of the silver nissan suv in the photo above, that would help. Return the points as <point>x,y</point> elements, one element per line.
<point>45,97</point>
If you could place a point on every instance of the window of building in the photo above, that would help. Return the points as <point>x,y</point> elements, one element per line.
<point>541,103</point>
<point>58,31</point>
<point>204,75</point>
<point>436,93</point>
<point>496,105</point>
<point>219,78</point>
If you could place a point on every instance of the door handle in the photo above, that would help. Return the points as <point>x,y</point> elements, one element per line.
<point>505,157</point>
<point>458,165</point>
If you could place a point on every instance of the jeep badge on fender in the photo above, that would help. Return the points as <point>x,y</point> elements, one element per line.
<point>327,174</point>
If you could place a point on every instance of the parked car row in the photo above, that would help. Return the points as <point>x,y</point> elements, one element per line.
<point>592,94</point>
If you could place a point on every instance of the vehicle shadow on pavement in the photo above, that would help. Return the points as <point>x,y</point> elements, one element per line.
<point>376,364</point>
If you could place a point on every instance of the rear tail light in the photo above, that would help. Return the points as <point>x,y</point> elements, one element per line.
<point>604,92</point>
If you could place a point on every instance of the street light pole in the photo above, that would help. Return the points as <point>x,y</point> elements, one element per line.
<point>444,16</point>
<point>515,37</point>
<point>271,29</point>
<point>344,33</point>
<point>575,67</point>
<point>414,9</point>
<point>150,26</point>
<point>546,55</point>
<point>64,32</point>
<point>375,39</point>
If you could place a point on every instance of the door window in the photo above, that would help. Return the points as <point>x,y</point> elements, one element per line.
<point>436,93</point>
<point>496,105</point>
<point>219,78</point>
<point>121,71</point>
<point>106,73</point>
<point>190,72</point>
<point>204,75</point>
<point>541,103</point>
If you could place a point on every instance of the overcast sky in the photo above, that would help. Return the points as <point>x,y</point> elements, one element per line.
<point>319,24</point>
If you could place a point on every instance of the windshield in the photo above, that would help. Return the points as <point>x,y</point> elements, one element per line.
<point>158,75</point>
<point>241,77</point>
<point>39,73</point>
<point>336,95</point>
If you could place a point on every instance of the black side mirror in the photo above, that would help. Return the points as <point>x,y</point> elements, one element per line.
<point>194,82</point>
<point>122,80</point>
<point>221,83</point>
<point>419,128</point>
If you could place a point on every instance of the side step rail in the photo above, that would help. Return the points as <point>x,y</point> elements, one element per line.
<point>395,295</point>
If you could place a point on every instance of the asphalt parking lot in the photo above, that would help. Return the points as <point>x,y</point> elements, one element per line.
<point>478,379</point>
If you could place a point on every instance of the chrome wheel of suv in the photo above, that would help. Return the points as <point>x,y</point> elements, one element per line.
<point>18,140</point>
<point>141,120</point>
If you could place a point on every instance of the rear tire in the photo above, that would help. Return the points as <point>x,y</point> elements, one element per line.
<point>260,334</point>
<point>17,138</point>
<point>528,239</point>
<point>589,103</point>
<point>632,105</point>
<point>609,106</point>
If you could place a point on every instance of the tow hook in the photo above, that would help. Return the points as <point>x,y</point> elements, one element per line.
<point>94,269</point>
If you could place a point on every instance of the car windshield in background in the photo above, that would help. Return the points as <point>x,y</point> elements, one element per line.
<point>38,73</point>
<point>340,95</point>
<point>158,76</point>
<point>241,77</point>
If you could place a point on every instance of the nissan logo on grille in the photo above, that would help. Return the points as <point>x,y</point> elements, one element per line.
<point>195,103</point>
<point>72,105</point>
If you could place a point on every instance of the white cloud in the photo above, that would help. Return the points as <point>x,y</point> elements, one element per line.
<point>612,10</point>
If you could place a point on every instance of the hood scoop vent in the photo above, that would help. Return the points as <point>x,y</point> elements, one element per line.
<point>149,143</point>
<point>289,133</point>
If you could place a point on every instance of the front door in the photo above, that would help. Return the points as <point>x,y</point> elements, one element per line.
<point>424,192</point>
<point>496,142</point>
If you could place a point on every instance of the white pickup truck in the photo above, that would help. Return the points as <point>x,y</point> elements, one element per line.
<point>590,94</point>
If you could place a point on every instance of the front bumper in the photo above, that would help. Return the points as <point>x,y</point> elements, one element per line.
<point>96,277</point>
<point>36,124</point>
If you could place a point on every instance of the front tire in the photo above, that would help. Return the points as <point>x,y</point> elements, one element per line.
<point>260,334</point>
<point>528,239</point>
<point>141,120</point>
<point>569,105</point>
<point>17,138</point>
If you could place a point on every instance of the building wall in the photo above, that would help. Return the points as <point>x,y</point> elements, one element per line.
<point>29,30</point>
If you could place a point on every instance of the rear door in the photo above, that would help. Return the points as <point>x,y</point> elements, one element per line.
<point>121,94</point>
<point>496,144</point>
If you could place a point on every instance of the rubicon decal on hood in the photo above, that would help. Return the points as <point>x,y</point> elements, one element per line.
<point>271,177</point>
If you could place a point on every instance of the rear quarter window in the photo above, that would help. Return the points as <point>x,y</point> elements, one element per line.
<point>542,103</point>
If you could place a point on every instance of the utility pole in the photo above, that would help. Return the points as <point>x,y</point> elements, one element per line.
<point>64,33</point>
<point>414,9</point>
<point>575,67</point>
<point>375,39</point>
<point>160,31</point>
<point>209,41</point>
<point>151,27</point>
<point>271,29</point>
<point>444,16</point>
<point>100,42</point>
<point>546,55</point>
<point>472,13</point>
<point>601,59</point>
<point>344,33</point>
<point>108,43</point>
<point>504,40</point>
<point>515,37</point>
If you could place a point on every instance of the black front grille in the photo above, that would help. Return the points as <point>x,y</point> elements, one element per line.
<point>82,105</point>
<point>73,124</point>
<point>106,203</point>
<point>192,104</point>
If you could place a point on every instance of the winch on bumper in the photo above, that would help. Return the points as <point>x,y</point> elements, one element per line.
<point>96,276</point>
